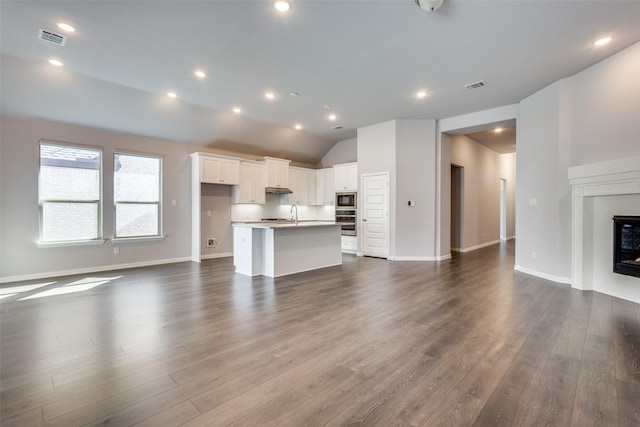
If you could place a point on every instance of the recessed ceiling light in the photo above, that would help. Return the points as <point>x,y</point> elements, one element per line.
<point>172,94</point>
<point>270,95</point>
<point>332,117</point>
<point>237,110</point>
<point>200,74</point>
<point>497,130</point>
<point>66,27</point>
<point>294,93</point>
<point>56,62</point>
<point>328,107</point>
<point>298,126</point>
<point>602,41</point>
<point>421,94</point>
<point>282,5</point>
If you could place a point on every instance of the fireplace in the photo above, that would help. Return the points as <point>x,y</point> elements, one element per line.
<point>626,245</point>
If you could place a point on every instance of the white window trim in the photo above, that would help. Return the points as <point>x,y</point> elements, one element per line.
<point>160,203</point>
<point>100,202</point>
<point>93,242</point>
<point>140,239</point>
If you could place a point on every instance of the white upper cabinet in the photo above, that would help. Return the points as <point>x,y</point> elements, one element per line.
<point>219,170</point>
<point>346,177</point>
<point>299,186</point>
<point>277,172</point>
<point>325,187</point>
<point>252,183</point>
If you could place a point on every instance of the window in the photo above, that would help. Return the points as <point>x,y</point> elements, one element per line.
<point>136,194</point>
<point>69,193</point>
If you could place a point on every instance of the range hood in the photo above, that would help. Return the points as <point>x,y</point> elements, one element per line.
<point>278,190</point>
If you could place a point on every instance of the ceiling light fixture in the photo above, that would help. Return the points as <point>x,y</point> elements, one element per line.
<point>421,94</point>
<point>270,95</point>
<point>602,41</point>
<point>429,5</point>
<point>200,74</point>
<point>298,126</point>
<point>172,94</point>
<point>237,110</point>
<point>282,5</point>
<point>497,130</point>
<point>56,63</point>
<point>332,117</point>
<point>66,27</point>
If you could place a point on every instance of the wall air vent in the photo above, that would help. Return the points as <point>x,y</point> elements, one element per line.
<point>51,37</point>
<point>476,85</point>
<point>338,127</point>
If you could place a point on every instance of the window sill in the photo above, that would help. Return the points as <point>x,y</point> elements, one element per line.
<point>137,239</point>
<point>70,243</point>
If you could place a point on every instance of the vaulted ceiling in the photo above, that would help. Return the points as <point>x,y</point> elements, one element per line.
<point>363,61</point>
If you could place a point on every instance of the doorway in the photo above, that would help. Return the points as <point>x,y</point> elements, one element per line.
<point>457,204</point>
<point>375,215</point>
<point>503,209</point>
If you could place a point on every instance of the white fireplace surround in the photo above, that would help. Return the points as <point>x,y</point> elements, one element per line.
<point>616,177</point>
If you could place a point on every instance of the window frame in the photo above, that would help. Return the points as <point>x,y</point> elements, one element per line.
<point>99,240</point>
<point>159,235</point>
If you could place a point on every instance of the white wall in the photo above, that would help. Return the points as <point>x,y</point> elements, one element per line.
<point>345,151</point>
<point>407,150</point>
<point>415,180</point>
<point>508,172</point>
<point>377,153</point>
<point>19,225</point>
<point>586,118</point>
<point>605,109</point>
<point>542,245</point>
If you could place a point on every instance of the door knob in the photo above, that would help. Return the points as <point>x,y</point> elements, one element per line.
<point>365,220</point>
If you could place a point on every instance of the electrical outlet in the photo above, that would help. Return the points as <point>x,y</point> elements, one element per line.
<point>211,242</point>
<point>116,250</point>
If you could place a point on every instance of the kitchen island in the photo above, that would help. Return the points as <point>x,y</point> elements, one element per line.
<point>278,249</point>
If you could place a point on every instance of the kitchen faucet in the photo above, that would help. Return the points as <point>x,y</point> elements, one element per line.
<point>294,206</point>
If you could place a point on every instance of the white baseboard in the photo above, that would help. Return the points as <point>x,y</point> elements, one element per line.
<point>557,279</point>
<point>420,258</point>
<point>483,245</point>
<point>508,238</point>
<point>220,255</point>
<point>48,274</point>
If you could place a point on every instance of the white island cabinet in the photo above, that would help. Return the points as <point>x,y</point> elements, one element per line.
<point>276,250</point>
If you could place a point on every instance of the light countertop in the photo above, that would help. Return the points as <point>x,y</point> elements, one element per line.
<point>287,224</point>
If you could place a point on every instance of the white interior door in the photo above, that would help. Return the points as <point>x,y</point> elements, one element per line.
<point>375,215</point>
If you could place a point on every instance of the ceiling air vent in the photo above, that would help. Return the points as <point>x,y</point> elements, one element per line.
<point>476,85</point>
<point>51,37</point>
<point>338,127</point>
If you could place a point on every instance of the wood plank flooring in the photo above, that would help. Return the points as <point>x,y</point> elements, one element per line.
<point>461,342</point>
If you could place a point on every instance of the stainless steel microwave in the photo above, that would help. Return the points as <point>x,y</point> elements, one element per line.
<point>346,200</point>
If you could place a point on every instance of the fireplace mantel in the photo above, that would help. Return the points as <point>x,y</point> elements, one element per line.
<point>616,177</point>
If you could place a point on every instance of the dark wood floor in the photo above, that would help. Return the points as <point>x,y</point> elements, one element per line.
<point>462,342</point>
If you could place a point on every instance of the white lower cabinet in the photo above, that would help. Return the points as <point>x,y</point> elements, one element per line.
<point>349,244</point>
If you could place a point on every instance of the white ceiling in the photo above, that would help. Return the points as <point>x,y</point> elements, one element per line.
<point>366,59</point>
